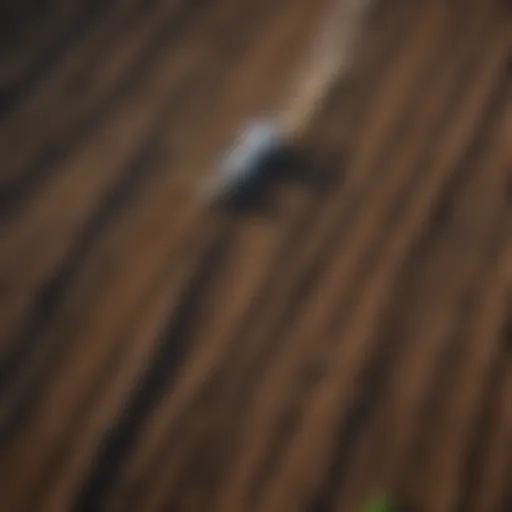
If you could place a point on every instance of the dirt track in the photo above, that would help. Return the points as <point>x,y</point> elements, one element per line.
<point>338,340</point>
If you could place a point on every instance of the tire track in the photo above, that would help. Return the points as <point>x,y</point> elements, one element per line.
<point>152,436</point>
<point>393,218</point>
<point>29,396</point>
<point>391,344</point>
<point>257,370</point>
<point>113,145</point>
<point>257,429</point>
<point>186,360</point>
<point>38,386</point>
<point>435,462</point>
<point>340,383</point>
<point>212,342</point>
<point>175,102</point>
<point>388,444</point>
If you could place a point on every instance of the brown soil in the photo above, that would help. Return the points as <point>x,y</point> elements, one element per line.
<point>331,342</point>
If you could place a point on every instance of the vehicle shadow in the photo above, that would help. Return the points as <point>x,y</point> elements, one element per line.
<point>320,174</point>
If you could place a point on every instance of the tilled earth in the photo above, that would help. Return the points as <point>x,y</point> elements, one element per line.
<point>338,338</point>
